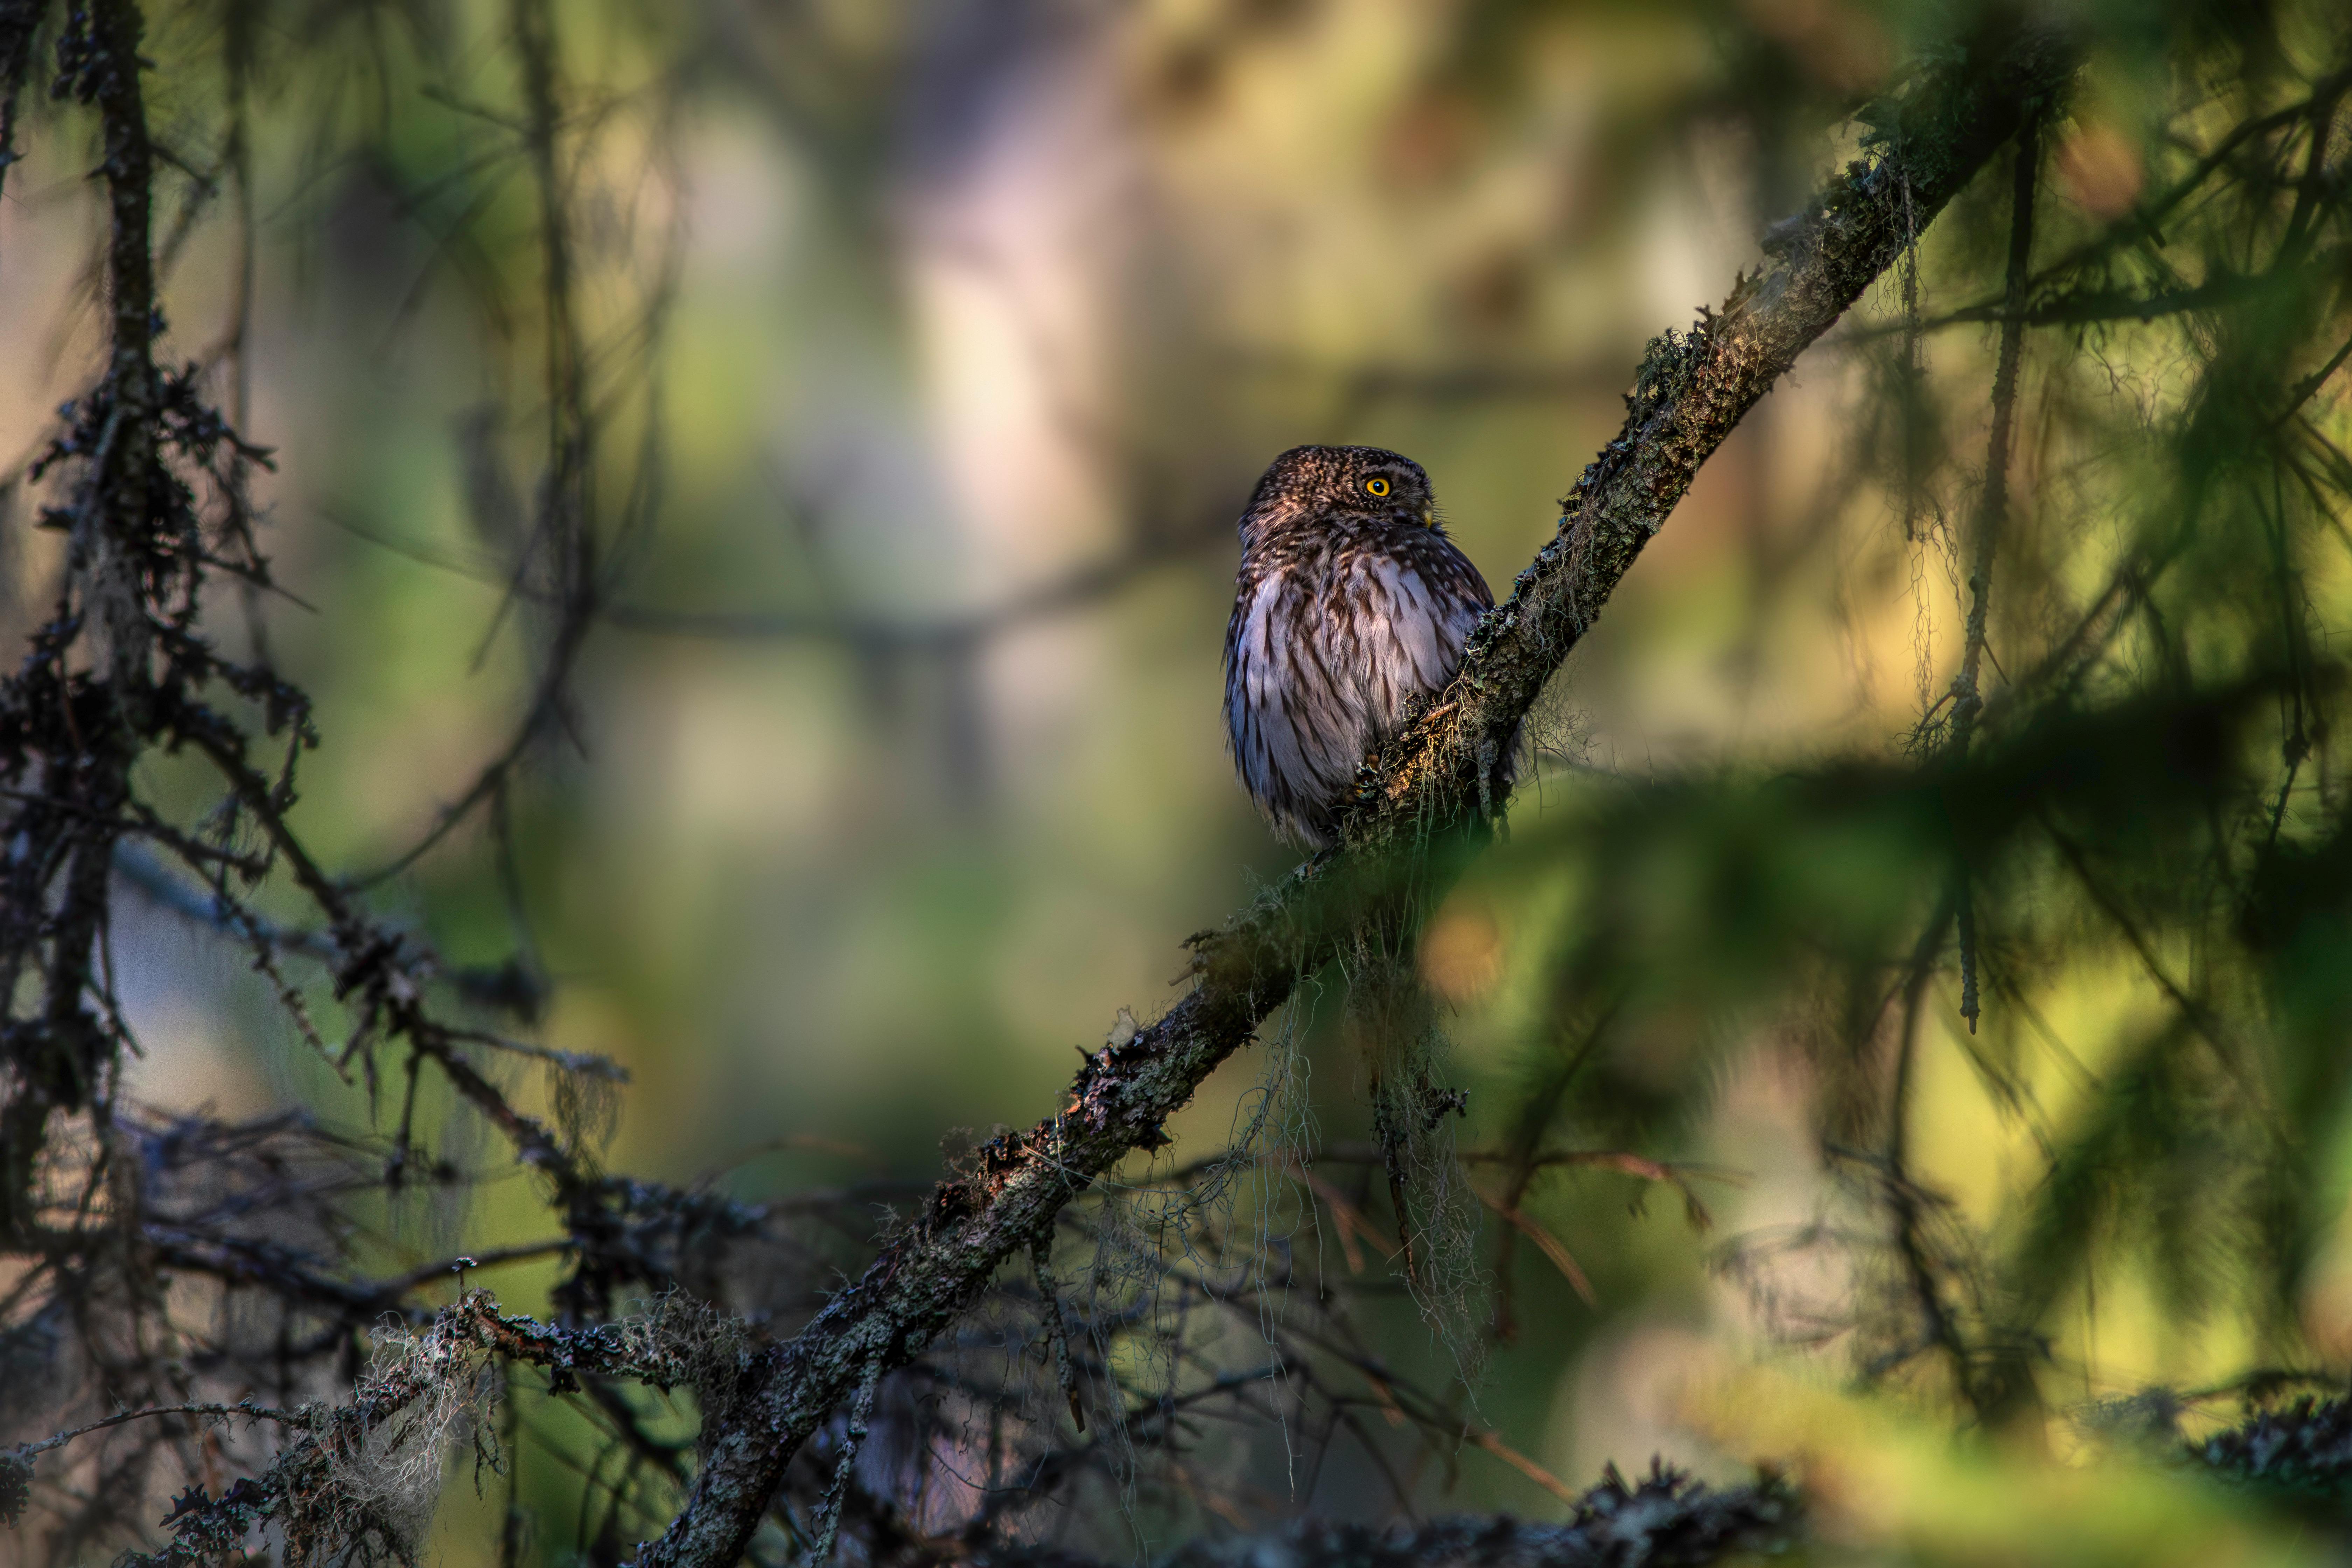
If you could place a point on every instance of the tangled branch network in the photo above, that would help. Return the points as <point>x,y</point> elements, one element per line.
<point>154,485</point>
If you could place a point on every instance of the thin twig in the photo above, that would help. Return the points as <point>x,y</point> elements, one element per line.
<point>1992,512</point>
<point>246,1407</point>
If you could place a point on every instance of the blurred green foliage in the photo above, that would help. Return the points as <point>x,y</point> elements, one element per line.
<point>931,350</point>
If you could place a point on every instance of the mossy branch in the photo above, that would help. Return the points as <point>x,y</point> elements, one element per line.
<point>1435,789</point>
<point>336,1491</point>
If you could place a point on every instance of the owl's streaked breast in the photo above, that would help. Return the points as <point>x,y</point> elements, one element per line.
<point>1335,627</point>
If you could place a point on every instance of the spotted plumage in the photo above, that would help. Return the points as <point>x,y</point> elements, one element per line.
<point>1350,601</point>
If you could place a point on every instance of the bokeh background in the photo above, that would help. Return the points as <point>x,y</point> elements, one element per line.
<point>939,345</point>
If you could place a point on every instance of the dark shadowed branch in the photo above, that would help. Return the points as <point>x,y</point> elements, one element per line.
<point>1663,1518</point>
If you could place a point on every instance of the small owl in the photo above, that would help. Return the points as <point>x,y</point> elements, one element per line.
<point>1350,601</point>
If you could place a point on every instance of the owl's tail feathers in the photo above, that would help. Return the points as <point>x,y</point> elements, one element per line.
<point>1406,1120</point>
<point>1395,1024</point>
<point>1498,771</point>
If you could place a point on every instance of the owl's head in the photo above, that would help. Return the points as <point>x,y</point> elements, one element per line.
<point>1322,485</point>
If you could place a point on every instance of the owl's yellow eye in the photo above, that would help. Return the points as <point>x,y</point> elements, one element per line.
<point>1376,487</point>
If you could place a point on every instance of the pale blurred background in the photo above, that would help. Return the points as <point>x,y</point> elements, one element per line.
<point>900,770</point>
